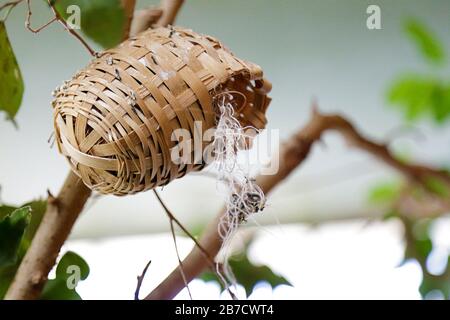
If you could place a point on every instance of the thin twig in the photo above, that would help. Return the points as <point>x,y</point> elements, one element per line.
<point>180,263</point>
<point>57,17</point>
<point>9,5</point>
<point>174,237</point>
<point>69,29</point>
<point>182,227</point>
<point>140,279</point>
<point>203,251</point>
<point>28,20</point>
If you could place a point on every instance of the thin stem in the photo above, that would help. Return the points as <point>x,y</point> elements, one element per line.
<point>180,263</point>
<point>69,29</point>
<point>140,279</point>
<point>10,4</point>
<point>203,251</point>
<point>28,20</point>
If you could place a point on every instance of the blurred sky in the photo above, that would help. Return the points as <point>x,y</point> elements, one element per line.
<point>307,49</point>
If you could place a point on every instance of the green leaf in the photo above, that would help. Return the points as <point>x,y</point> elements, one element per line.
<point>12,229</point>
<point>384,193</point>
<point>38,208</point>
<point>6,210</point>
<point>11,82</point>
<point>37,211</point>
<point>101,20</point>
<point>13,224</point>
<point>6,277</point>
<point>248,275</point>
<point>413,94</point>
<point>425,41</point>
<point>70,270</point>
<point>72,259</point>
<point>440,103</point>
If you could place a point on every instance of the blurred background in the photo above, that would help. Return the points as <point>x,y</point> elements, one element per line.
<point>331,229</point>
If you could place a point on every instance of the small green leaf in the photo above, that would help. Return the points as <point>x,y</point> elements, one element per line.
<point>413,94</point>
<point>11,82</point>
<point>12,229</point>
<point>248,275</point>
<point>425,40</point>
<point>384,193</point>
<point>101,20</point>
<point>38,208</point>
<point>440,103</point>
<point>72,259</point>
<point>37,211</point>
<point>70,270</point>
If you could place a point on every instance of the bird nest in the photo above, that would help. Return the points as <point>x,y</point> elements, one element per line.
<point>114,120</point>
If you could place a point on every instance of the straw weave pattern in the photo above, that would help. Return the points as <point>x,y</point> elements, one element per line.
<point>115,118</point>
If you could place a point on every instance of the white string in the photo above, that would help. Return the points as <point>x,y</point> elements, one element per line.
<point>243,197</point>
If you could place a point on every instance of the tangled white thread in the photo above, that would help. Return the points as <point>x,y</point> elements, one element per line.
<point>243,196</point>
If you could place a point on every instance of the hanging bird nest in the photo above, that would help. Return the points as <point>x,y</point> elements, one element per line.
<point>114,119</point>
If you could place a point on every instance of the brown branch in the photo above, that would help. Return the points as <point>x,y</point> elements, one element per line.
<point>128,6</point>
<point>161,16</point>
<point>144,19</point>
<point>53,231</point>
<point>292,153</point>
<point>170,10</point>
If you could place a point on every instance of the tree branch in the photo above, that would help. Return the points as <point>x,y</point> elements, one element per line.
<point>292,153</point>
<point>144,19</point>
<point>128,6</point>
<point>170,10</point>
<point>53,231</point>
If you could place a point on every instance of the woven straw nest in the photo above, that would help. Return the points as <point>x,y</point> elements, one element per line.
<point>114,119</point>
